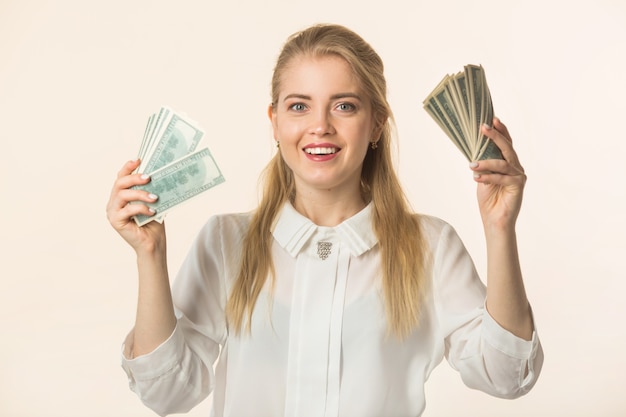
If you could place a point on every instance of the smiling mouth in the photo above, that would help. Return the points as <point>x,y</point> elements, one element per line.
<point>321,151</point>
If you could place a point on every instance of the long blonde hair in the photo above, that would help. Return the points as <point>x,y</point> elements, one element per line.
<point>402,246</point>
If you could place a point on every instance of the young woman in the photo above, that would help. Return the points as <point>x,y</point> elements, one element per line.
<point>332,298</point>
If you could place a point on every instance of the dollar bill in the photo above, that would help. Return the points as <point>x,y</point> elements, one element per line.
<point>173,137</point>
<point>146,135</point>
<point>168,155</point>
<point>434,108</point>
<point>149,137</point>
<point>461,104</point>
<point>180,181</point>
<point>457,89</point>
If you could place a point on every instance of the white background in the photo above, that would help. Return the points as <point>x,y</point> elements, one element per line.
<point>78,80</point>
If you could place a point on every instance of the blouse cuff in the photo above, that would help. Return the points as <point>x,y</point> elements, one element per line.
<point>505,341</point>
<point>162,360</point>
<point>529,352</point>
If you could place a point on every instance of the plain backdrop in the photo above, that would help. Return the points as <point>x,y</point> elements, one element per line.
<point>78,80</point>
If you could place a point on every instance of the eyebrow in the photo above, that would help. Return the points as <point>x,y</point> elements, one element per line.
<point>333,97</point>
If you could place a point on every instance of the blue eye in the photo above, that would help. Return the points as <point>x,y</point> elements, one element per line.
<point>346,107</point>
<point>299,107</point>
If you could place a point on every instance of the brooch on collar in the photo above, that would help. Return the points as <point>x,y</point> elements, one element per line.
<point>323,249</point>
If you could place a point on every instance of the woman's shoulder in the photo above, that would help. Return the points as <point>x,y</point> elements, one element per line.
<point>436,230</point>
<point>227,223</point>
<point>432,224</point>
<point>234,218</point>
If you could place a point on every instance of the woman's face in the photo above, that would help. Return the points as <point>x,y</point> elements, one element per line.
<point>324,124</point>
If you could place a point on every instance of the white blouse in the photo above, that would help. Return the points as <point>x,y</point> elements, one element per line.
<point>320,345</point>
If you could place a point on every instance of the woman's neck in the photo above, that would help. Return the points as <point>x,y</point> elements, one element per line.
<point>325,208</point>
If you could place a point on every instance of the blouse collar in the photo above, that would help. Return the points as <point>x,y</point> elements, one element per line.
<point>292,230</point>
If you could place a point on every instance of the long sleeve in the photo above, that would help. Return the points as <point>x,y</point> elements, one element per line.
<point>319,334</point>
<point>488,357</point>
<point>179,374</point>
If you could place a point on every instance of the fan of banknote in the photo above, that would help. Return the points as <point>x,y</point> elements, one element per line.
<point>178,171</point>
<point>460,104</point>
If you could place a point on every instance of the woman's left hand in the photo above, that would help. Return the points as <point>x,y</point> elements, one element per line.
<point>500,182</point>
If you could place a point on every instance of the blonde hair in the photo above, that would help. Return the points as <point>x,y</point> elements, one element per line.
<point>402,246</point>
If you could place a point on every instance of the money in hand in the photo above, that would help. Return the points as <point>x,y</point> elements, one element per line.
<point>460,105</point>
<point>177,171</point>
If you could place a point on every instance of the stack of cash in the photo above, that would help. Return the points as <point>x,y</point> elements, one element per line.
<point>178,172</point>
<point>460,104</point>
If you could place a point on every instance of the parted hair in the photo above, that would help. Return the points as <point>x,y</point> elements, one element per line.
<point>404,259</point>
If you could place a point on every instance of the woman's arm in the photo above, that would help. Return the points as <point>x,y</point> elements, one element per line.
<point>500,190</point>
<point>155,320</point>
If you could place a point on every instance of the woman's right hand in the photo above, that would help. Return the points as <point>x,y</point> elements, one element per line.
<point>120,212</point>
<point>155,320</point>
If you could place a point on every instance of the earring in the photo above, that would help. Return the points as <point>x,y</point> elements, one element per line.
<point>374,144</point>
<point>277,144</point>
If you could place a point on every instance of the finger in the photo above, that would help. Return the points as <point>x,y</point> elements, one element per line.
<point>124,178</point>
<point>504,143</point>
<point>126,182</point>
<point>493,178</point>
<point>128,168</point>
<point>122,193</point>
<point>129,181</point>
<point>498,166</point>
<point>125,196</point>
<point>120,199</point>
<point>132,194</point>
<point>135,209</point>
<point>494,134</point>
<point>121,217</point>
<point>501,127</point>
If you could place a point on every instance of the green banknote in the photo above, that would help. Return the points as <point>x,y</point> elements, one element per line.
<point>461,104</point>
<point>435,108</point>
<point>179,182</point>
<point>170,137</point>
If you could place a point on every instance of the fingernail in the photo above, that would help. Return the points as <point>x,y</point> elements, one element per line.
<point>474,164</point>
<point>145,176</point>
<point>476,175</point>
<point>151,210</point>
<point>152,196</point>
<point>486,126</point>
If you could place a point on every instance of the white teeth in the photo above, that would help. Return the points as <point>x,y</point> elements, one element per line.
<point>320,151</point>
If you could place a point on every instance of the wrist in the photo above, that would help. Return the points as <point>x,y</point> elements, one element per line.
<point>499,231</point>
<point>500,224</point>
<point>151,250</point>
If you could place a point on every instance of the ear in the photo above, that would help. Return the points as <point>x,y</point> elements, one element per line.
<point>377,131</point>
<point>271,114</point>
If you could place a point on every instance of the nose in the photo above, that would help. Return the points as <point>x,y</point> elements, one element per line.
<point>321,123</point>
